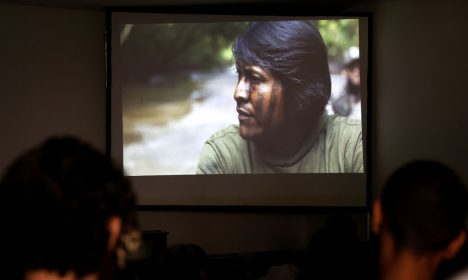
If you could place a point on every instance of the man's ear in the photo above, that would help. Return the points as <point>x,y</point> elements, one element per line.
<point>455,245</point>
<point>377,217</point>
<point>114,226</point>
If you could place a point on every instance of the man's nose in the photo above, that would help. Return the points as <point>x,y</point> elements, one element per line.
<point>242,91</point>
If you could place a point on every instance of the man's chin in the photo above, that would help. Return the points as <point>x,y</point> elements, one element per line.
<point>249,133</point>
<point>245,137</point>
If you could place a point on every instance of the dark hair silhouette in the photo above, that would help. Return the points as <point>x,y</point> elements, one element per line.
<point>424,206</point>
<point>184,262</point>
<point>295,54</point>
<point>55,202</point>
<point>332,251</point>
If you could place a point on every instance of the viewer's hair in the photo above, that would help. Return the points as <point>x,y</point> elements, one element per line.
<point>295,54</point>
<point>332,251</point>
<point>424,206</point>
<point>55,202</point>
<point>184,262</point>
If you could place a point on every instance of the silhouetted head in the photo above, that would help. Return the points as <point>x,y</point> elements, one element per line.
<point>424,206</point>
<point>63,208</point>
<point>419,220</point>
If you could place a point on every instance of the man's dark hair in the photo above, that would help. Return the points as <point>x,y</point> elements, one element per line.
<point>55,202</point>
<point>424,206</point>
<point>295,54</point>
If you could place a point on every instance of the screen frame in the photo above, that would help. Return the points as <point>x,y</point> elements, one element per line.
<point>235,10</point>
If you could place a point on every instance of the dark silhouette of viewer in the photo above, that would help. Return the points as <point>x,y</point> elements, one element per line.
<point>455,268</point>
<point>419,220</point>
<point>332,251</point>
<point>67,213</point>
<point>184,262</point>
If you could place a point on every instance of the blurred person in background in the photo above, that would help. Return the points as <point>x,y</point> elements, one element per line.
<point>348,102</point>
<point>67,212</point>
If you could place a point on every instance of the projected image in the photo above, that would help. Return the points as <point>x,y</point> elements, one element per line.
<point>241,98</point>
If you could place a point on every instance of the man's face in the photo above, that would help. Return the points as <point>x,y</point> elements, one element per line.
<point>260,103</point>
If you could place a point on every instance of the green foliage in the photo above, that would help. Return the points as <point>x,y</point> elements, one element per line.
<point>151,50</point>
<point>339,36</point>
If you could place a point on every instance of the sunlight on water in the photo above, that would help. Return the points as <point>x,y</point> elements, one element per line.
<point>173,146</point>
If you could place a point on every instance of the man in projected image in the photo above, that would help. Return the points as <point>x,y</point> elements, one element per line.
<point>283,87</point>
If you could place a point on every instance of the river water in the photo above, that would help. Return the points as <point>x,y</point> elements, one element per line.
<point>172,146</point>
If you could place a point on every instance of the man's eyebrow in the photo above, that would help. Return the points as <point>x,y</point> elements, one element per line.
<point>254,71</point>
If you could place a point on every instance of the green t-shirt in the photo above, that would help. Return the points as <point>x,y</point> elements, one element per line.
<point>334,147</point>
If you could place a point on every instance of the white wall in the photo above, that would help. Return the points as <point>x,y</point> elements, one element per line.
<point>52,77</point>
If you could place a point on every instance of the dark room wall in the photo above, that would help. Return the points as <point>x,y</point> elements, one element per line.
<point>52,82</point>
<point>52,77</point>
<point>421,99</point>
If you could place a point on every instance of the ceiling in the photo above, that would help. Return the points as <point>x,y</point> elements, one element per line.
<point>246,4</point>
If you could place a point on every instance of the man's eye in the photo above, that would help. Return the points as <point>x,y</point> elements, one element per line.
<point>255,80</point>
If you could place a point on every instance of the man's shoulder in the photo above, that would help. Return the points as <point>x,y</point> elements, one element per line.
<point>344,139</point>
<point>225,152</point>
<point>230,133</point>
<point>335,120</point>
<point>343,125</point>
<point>342,130</point>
